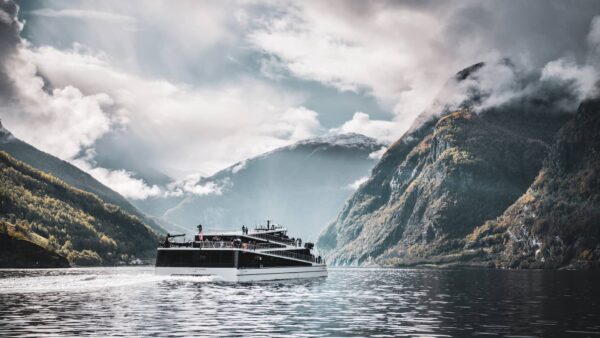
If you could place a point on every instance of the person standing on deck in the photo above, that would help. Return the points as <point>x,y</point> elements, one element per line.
<point>200,234</point>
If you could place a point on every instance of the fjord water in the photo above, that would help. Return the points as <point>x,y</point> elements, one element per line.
<point>349,302</point>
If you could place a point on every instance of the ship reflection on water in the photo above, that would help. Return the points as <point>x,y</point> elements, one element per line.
<point>351,302</point>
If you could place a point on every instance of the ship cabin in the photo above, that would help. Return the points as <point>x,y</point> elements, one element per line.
<point>264,246</point>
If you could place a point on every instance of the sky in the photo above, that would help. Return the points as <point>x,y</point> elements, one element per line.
<point>139,93</point>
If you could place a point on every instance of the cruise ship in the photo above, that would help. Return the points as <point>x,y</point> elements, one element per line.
<point>263,253</point>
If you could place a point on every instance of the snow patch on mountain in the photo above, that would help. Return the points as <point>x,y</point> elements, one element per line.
<point>347,140</point>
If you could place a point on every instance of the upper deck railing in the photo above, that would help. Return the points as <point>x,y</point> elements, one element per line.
<point>257,233</point>
<point>225,244</point>
<point>269,237</point>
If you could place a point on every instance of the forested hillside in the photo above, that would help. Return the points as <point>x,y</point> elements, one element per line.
<point>68,173</point>
<point>557,221</point>
<point>73,223</point>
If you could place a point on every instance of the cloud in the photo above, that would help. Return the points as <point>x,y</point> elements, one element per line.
<point>559,87</point>
<point>593,40</point>
<point>175,40</point>
<point>402,53</point>
<point>128,185</point>
<point>356,184</point>
<point>239,166</point>
<point>361,123</point>
<point>62,121</point>
<point>77,96</point>
<point>581,78</point>
<point>378,154</point>
<point>296,124</point>
<point>68,120</point>
<point>121,181</point>
<point>195,184</point>
<point>10,28</point>
<point>83,14</point>
<point>190,128</point>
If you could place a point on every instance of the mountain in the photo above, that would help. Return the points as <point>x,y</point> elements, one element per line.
<point>43,217</point>
<point>16,252</point>
<point>68,173</point>
<point>556,222</point>
<point>449,174</point>
<point>301,186</point>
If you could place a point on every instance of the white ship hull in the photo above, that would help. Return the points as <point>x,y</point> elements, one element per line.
<point>248,274</point>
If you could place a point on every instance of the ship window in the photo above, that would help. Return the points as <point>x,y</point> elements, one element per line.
<point>254,260</point>
<point>174,258</point>
<point>195,258</point>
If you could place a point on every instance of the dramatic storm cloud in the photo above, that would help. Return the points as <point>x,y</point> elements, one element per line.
<point>126,90</point>
<point>403,52</point>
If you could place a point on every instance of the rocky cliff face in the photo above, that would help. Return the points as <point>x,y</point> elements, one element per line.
<point>439,182</point>
<point>557,221</point>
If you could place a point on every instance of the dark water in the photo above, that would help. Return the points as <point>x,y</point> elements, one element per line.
<point>350,302</point>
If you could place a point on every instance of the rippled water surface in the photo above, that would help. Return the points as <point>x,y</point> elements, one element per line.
<point>350,302</point>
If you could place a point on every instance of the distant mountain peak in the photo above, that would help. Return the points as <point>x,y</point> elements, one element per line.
<point>346,139</point>
<point>301,185</point>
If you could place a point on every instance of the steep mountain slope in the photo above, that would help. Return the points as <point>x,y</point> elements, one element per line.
<point>439,182</point>
<point>557,222</point>
<point>18,252</point>
<point>68,173</point>
<point>75,224</point>
<point>301,186</point>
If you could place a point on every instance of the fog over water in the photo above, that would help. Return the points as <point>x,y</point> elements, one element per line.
<point>349,302</point>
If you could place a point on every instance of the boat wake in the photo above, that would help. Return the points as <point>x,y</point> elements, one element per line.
<point>82,280</point>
